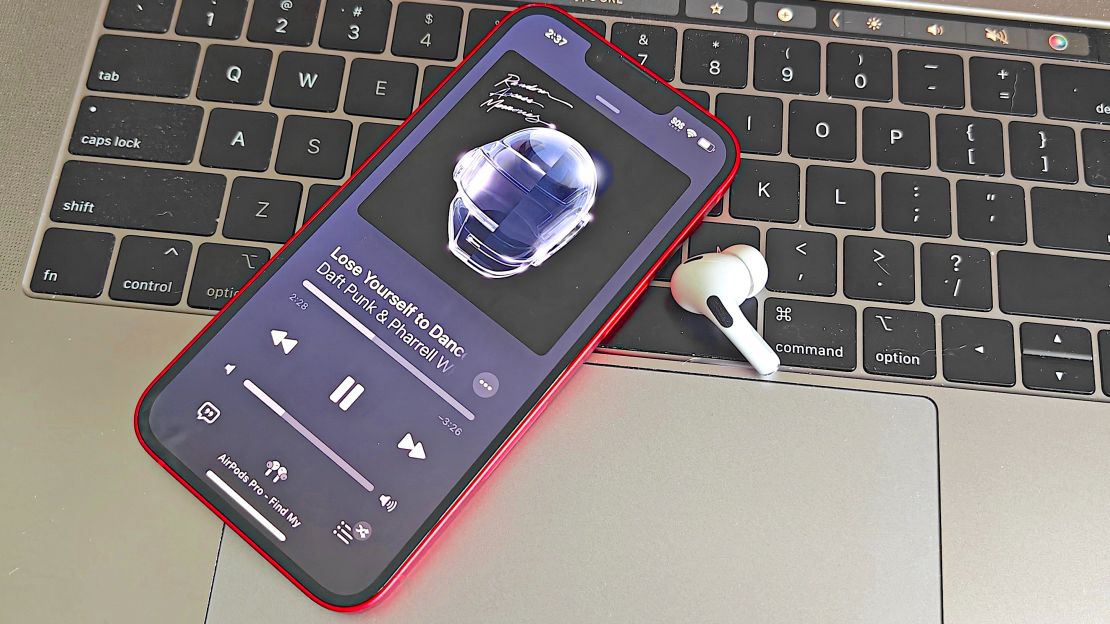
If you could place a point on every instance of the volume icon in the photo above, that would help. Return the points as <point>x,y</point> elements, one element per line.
<point>388,502</point>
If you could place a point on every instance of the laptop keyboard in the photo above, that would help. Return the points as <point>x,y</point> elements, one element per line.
<point>930,214</point>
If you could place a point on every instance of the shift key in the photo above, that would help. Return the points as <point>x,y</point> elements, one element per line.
<point>136,130</point>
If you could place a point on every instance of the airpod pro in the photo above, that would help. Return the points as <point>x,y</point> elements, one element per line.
<point>714,285</point>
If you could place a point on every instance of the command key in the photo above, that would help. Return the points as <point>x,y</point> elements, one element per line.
<point>811,334</point>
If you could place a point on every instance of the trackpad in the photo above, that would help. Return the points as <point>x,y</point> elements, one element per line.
<point>650,496</point>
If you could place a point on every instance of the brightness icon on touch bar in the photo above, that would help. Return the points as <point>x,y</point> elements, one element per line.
<point>346,393</point>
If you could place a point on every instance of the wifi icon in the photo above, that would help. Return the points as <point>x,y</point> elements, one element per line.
<point>690,133</point>
<point>388,502</point>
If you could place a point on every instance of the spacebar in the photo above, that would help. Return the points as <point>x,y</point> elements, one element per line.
<point>1054,286</point>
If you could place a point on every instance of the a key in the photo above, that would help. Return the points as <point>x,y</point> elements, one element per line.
<point>1003,86</point>
<point>220,272</point>
<point>978,350</point>
<point>766,191</point>
<point>218,19</point>
<point>811,334</point>
<point>433,75</point>
<point>701,97</point>
<point>822,131</point>
<point>1072,220</point>
<point>897,138</point>
<point>370,136</point>
<point>654,47</point>
<point>286,22</point>
<point>1104,355</point>
<point>143,66</point>
<point>787,65</point>
<point>970,145</point>
<point>314,147</point>
<point>956,277</point>
<point>136,130</point>
<point>1096,157</point>
<point>307,81</point>
<point>757,121</point>
<point>930,79</point>
<point>990,212</point>
<point>1076,93</point>
<point>263,210</point>
<point>427,31</point>
<point>72,262</point>
<point>839,197</point>
<point>139,198</point>
<point>714,58</point>
<point>1062,287</point>
<point>711,237</point>
<point>914,204</point>
<point>1058,341</point>
<point>234,74</point>
<point>478,25</point>
<point>380,88</point>
<point>657,325</point>
<point>1043,152</point>
<point>859,72</point>
<point>901,343</point>
<point>878,269</point>
<point>150,270</point>
<point>238,139</point>
<point>355,25</point>
<point>1058,375</point>
<point>148,16</point>
<point>318,194</point>
<point>801,262</point>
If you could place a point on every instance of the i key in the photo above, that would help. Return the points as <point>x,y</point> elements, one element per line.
<point>288,22</point>
<point>787,65</point>
<point>859,72</point>
<point>757,121</point>
<point>654,46</point>
<point>1043,152</point>
<point>956,277</point>
<point>714,59</point>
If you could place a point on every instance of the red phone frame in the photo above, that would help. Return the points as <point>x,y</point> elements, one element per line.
<point>540,405</point>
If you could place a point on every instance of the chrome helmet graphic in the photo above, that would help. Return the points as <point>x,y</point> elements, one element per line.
<point>520,200</point>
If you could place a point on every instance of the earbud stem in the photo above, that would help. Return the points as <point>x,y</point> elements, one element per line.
<point>754,348</point>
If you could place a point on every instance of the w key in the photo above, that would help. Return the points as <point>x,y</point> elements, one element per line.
<point>143,66</point>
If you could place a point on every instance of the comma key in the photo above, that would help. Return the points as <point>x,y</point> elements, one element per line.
<point>811,334</point>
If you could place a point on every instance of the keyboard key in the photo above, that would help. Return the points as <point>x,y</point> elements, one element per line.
<point>433,75</point>
<point>801,262</point>
<point>712,237</point>
<point>72,262</point>
<point>839,197</point>
<point>427,31</point>
<point>307,81</point>
<point>150,270</point>
<point>1084,93</point>
<point>1003,86</point>
<point>766,191</point>
<point>1104,355</point>
<point>787,65</point>
<point>147,16</point>
<point>822,131</point>
<point>143,66</point>
<point>978,350</point>
<point>1056,341</point>
<point>355,25</point>
<point>139,198</point>
<point>314,147</point>
<point>479,24</point>
<point>901,343</point>
<point>218,19</point>
<point>956,277</point>
<point>238,139</point>
<point>595,25</point>
<point>667,270</point>
<point>701,97</point>
<point>136,130</point>
<point>221,271</point>
<point>262,210</point>
<point>811,334</point>
<point>970,145</point>
<point>654,47</point>
<point>879,269</point>
<point>990,212</point>
<point>286,22</point>
<point>1096,157</point>
<point>859,72</point>
<point>318,194</point>
<point>1054,286</point>
<point>234,74</point>
<point>897,138</point>
<point>930,79</point>
<point>914,204</point>
<point>1058,375</point>
<point>1071,220</point>
<point>757,121</point>
<point>380,89</point>
<point>370,136</point>
<point>714,59</point>
<point>1042,152</point>
<point>657,325</point>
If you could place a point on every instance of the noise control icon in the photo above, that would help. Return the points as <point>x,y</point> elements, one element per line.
<point>388,503</point>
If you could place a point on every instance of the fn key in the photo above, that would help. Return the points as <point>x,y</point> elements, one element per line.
<point>72,262</point>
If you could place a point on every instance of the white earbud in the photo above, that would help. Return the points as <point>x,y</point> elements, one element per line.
<point>714,285</point>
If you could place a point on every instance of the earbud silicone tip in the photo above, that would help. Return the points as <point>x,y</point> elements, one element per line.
<point>756,264</point>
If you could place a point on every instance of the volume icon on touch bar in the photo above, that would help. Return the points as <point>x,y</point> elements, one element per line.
<point>346,393</point>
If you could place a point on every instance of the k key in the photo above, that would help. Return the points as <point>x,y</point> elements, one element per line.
<point>766,191</point>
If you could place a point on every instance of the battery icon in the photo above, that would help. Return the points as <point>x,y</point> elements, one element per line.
<point>706,145</point>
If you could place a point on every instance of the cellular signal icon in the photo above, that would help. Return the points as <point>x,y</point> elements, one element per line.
<point>388,502</point>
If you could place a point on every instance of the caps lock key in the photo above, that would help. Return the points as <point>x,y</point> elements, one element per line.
<point>136,130</point>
